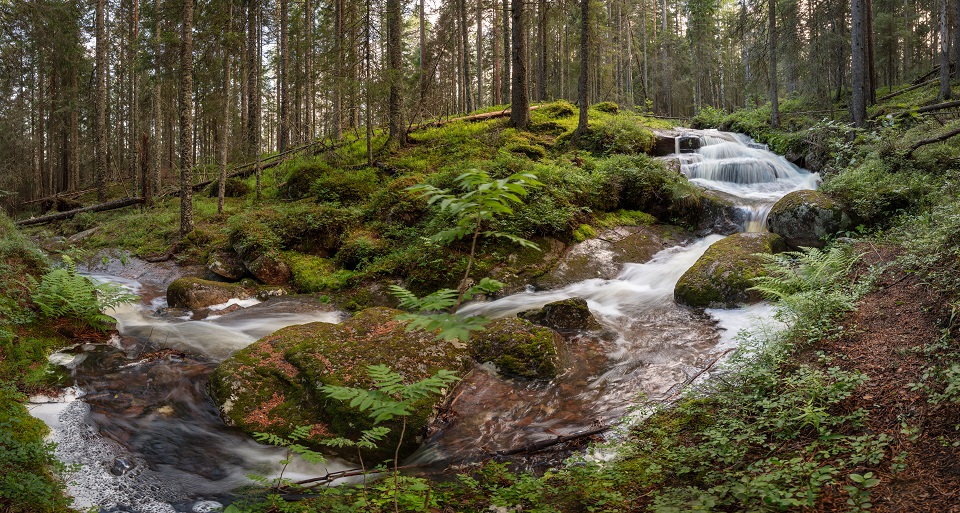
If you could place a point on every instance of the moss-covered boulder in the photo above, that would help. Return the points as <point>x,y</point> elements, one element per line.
<point>274,384</point>
<point>194,293</point>
<point>723,275</point>
<point>226,264</point>
<point>567,315</point>
<point>805,218</point>
<point>518,348</point>
<point>233,188</point>
<point>269,267</point>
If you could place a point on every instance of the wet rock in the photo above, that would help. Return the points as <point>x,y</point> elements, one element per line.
<point>723,275</point>
<point>525,266</point>
<point>269,268</point>
<point>518,348</point>
<point>805,218</point>
<point>121,466</point>
<point>274,384</point>
<point>667,142</point>
<point>227,265</point>
<point>717,213</point>
<point>269,292</point>
<point>194,293</point>
<point>603,257</point>
<point>567,315</point>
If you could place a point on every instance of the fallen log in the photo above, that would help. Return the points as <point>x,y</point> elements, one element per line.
<point>939,138</point>
<point>907,89</point>
<point>938,106</point>
<point>60,195</point>
<point>475,117</point>
<point>110,205</point>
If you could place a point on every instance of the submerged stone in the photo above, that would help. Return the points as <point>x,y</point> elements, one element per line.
<point>195,293</point>
<point>724,274</point>
<point>806,218</point>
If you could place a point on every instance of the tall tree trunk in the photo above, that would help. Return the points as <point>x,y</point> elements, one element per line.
<point>519,101</point>
<point>944,52</point>
<point>871,65</point>
<point>479,55</point>
<point>367,86</point>
<point>308,70</point>
<point>186,120</point>
<point>338,36</point>
<point>542,53</point>
<point>507,54</point>
<point>283,134</point>
<point>134,94</point>
<point>73,180</point>
<point>100,105</point>
<point>227,99</point>
<point>628,78</point>
<point>643,34</point>
<point>858,103</point>
<point>497,85</point>
<point>583,122</point>
<point>253,75</point>
<point>468,97</point>
<point>772,49</point>
<point>394,73</point>
<point>423,53</point>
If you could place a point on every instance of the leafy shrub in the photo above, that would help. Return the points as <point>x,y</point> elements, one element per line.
<point>359,250</point>
<point>301,174</point>
<point>642,183</point>
<point>620,134</point>
<point>875,191</point>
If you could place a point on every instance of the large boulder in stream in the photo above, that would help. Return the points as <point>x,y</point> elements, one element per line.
<point>195,293</point>
<point>274,384</point>
<point>723,275</point>
<point>805,218</point>
<point>571,314</point>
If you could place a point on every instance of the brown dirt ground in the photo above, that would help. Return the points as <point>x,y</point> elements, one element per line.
<point>881,339</point>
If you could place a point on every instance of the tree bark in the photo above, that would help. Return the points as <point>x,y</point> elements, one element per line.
<point>583,122</point>
<point>772,49</point>
<point>519,102</point>
<point>225,134</point>
<point>308,70</point>
<point>100,105</point>
<point>858,103</point>
<point>186,120</point>
<point>395,58</point>
<point>628,78</point>
<point>479,55</point>
<point>507,54</point>
<point>944,52</point>
<point>542,53</point>
<point>468,97</point>
<point>338,35</point>
<point>283,133</point>
<point>496,87</point>
<point>100,207</point>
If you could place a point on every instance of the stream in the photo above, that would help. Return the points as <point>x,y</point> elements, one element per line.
<point>135,421</point>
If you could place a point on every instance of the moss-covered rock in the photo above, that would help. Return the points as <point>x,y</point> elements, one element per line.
<point>194,293</point>
<point>805,218</point>
<point>233,188</point>
<point>518,348</point>
<point>274,384</point>
<point>567,315</point>
<point>226,264</point>
<point>723,275</point>
<point>269,267</point>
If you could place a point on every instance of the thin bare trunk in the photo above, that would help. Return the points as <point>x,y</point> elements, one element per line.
<point>186,120</point>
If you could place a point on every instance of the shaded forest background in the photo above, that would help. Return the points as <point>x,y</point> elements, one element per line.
<point>171,86</point>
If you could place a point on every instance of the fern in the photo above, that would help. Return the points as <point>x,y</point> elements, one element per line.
<point>62,293</point>
<point>432,309</point>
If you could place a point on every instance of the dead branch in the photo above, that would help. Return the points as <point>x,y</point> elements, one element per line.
<point>907,89</point>
<point>939,138</point>
<point>110,205</point>
<point>475,117</point>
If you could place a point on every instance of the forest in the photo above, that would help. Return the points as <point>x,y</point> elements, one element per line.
<point>103,92</point>
<point>505,255</point>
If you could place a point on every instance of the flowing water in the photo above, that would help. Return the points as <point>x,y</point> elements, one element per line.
<point>146,438</point>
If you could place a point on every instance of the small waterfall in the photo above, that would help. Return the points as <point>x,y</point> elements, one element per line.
<point>745,172</point>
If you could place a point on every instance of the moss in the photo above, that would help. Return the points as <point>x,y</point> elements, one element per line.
<point>518,348</point>
<point>273,385</point>
<point>558,110</point>
<point>807,218</point>
<point>234,188</point>
<point>798,198</point>
<point>607,107</point>
<point>626,218</point>
<point>724,274</point>
<point>531,151</point>
<point>584,232</point>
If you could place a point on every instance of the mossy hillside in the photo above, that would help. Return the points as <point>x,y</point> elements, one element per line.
<point>273,384</point>
<point>808,218</point>
<point>723,276</point>
<point>518,348</point>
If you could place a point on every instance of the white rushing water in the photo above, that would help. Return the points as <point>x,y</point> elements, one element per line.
<point>145,437</point>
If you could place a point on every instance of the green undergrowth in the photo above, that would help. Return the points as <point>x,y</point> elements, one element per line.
<point>28,470</point>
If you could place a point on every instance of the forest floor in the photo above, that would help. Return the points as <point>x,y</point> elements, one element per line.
<point>894,337</point>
